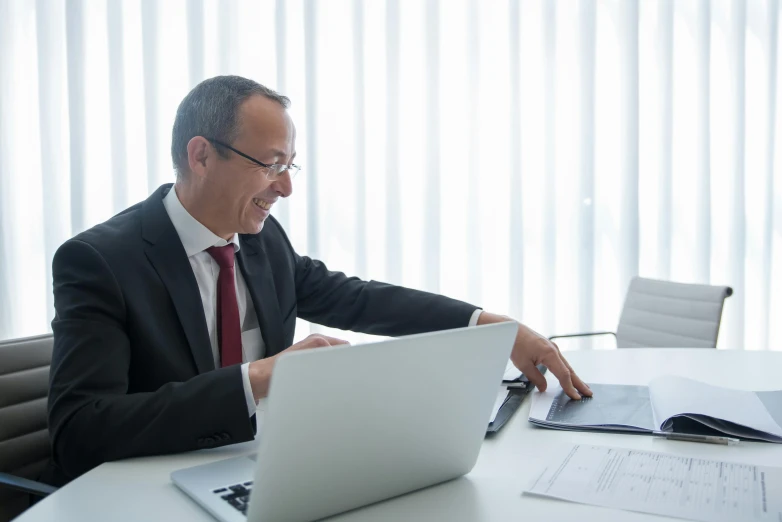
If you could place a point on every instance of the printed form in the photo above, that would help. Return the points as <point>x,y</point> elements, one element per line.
<point>663,484</point>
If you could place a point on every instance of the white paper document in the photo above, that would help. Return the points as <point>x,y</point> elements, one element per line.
<point>498,402</point>
<point>511,372</point>
<point>663,484</point>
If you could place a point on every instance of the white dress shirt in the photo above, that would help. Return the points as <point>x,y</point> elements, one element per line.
<point>196,238</point>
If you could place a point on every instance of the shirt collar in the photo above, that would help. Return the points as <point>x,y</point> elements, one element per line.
<point>195,237</point>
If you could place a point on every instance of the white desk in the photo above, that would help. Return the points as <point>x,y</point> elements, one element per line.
<point>140,489</point>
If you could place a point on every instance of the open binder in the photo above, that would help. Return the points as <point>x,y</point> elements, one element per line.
<point>669,404</point>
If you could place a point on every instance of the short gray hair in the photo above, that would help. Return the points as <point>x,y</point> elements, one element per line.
<point>211,110</point>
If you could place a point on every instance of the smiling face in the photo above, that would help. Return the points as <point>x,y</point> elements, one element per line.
<point>229,193</point>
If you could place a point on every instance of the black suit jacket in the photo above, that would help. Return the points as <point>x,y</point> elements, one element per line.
<point>132,371</point>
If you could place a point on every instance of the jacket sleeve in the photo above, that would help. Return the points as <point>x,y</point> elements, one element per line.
<point>349,303</point>
<point>92,416</point>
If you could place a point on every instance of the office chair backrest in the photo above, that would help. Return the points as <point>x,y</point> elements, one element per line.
<point>24,437</point>
<point>665,314</point>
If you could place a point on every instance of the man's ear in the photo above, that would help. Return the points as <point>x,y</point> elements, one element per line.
<point>198,151</point>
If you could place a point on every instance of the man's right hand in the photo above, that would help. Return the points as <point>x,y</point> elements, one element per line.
<point>261,371</point>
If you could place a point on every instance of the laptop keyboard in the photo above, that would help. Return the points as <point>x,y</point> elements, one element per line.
<point>237,495</point>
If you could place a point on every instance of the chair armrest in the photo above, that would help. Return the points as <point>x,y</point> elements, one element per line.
<point>587,334</point>
<point>26,485</point>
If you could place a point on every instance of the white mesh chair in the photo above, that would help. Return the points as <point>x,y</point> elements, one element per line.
<point>659,314</point>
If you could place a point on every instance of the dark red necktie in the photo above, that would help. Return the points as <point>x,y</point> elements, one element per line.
<point>229,331</point>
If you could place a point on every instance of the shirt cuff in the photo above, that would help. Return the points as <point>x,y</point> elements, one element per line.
<point>474,318</point>
<point>248,390</point>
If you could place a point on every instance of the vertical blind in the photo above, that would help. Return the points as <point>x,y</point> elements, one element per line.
<point>529,156</point>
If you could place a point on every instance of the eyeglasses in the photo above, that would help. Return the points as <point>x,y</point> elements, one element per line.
<point>272,171</point>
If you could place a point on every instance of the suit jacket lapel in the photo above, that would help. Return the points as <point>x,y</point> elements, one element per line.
<point>166,253</point>
<point>257,272</point>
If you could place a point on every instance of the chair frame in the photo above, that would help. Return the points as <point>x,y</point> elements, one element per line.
<point>24,485</point>
<point>585,334</point>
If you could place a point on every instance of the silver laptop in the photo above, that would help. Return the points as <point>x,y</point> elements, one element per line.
<point>348,426</point>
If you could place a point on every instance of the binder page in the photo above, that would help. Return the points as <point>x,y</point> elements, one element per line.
<point>541,401</point>
<point>772,400</point>
<point>662,484</point>
<point>673,395</point>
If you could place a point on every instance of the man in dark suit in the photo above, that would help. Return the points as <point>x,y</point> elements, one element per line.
<point>161,345</point>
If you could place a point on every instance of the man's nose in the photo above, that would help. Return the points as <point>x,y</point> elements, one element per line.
<point>284,184</point>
